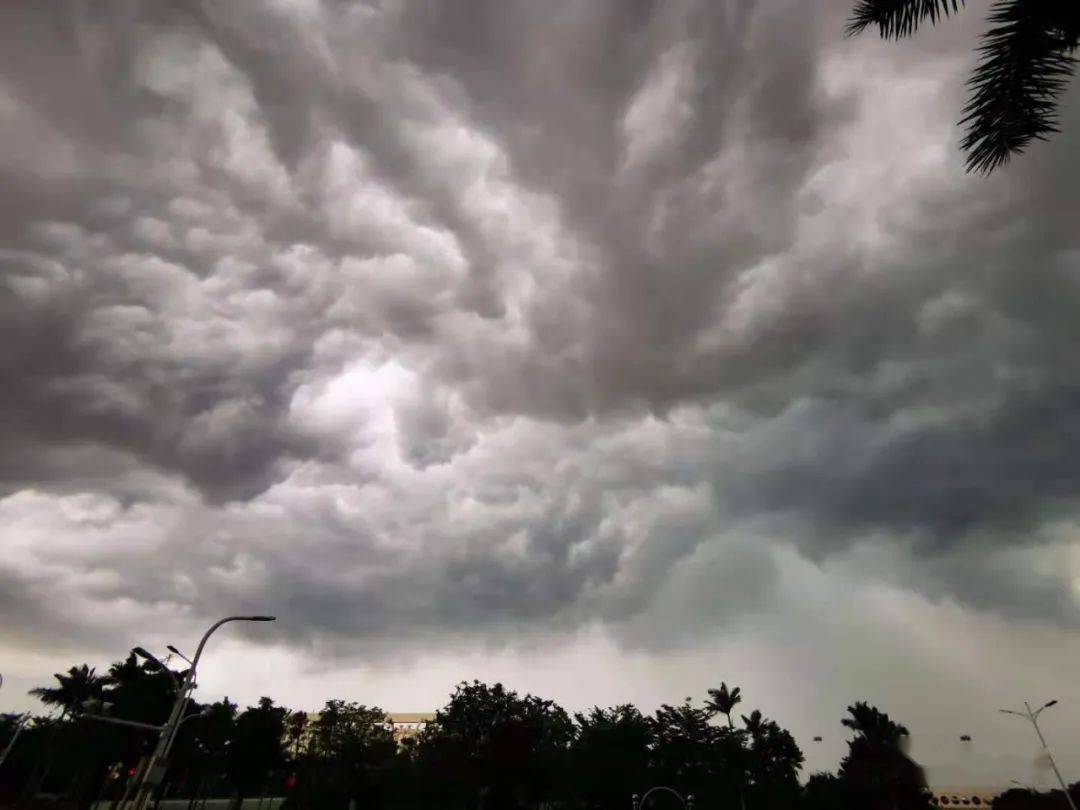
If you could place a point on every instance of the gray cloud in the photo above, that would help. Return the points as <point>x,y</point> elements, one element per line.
<point>423,324</point>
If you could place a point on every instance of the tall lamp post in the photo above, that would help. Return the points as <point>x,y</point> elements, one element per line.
<point>23,720</point>
<point>178,689</point>
<point>155,768</point>
<point>1033,718</point>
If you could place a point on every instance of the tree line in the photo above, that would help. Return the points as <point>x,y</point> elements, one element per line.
<point>488,748</point>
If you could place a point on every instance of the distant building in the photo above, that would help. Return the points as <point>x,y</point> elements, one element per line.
<point>964,798</point>
<point>408,724</point>
<point>402,725</point>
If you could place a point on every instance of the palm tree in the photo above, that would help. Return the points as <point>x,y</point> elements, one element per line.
<point>724,702</point>
<point>141,690</point>
<point>1026,64</point>
<point>877,765</point>
<point>755,723</point>
<point>77,686</point>
<point>874,726</point>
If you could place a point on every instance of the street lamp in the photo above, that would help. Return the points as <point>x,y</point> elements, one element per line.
<point>1033,718</point>
<point>155,767</point>
<point>176,652</point>
<point>150,657</point>
<point>638,802</point>
<point>89,707</point>
<point>157,663</point>
<point>23,720</point>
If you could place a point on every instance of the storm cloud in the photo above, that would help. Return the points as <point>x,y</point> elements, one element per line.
<point>434,326</point>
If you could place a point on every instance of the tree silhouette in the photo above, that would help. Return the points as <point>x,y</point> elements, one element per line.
<point>8,723</point>
<point>775,758</point>
<point>754,723</point>
<point>492,746</point>
<point>295,725</point>
<point>489,748</point>
<point>1025,67</point>
<point>724,702</point>
<point>823,791</point>
<point>65,748</point>
<point>351,749</point>
<point>77,686</point>
<point>873,725</point>
<point>1021,799</point>
<point>200,756</point>
<point>877,773</point>
<point>257,753</point>
<point>140,691</point>
<point>769,767</point>
<point>689,752</point>
<point>609,757</point>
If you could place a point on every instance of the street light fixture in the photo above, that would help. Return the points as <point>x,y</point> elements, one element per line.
<point>1033,718</point>
<point>176,652</point>
<point>150,657</point>
<point>199,715</point>
<point>23,720</point>
<point>158,664</point>
<point>155,767</point>
<point>97,705</point>
<point>638,802</point>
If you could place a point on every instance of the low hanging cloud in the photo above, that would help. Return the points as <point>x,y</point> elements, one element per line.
<point>426,325</point>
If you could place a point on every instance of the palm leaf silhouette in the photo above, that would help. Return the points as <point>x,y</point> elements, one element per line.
<point>1025,65</point>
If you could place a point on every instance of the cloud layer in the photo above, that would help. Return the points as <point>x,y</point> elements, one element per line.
<point>435,331</point>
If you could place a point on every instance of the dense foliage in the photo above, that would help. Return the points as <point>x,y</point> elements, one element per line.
<point>488,748</point>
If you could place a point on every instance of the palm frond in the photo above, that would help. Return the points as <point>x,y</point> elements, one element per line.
<point>1025,66</point>
<point>898,18</point>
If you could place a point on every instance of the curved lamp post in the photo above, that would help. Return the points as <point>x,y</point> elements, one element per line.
<point>154,770</point>
<point>1033,718</point>
<point>639,802</point>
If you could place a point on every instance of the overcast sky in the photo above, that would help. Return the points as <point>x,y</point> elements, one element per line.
<point>609,348</point>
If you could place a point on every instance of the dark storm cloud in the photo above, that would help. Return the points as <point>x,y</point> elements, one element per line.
<point>559,89</point>
<point>950,388</point>
<point>527,316</point>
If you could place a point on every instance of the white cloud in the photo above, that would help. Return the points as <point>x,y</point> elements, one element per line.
<point>660,112</point>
